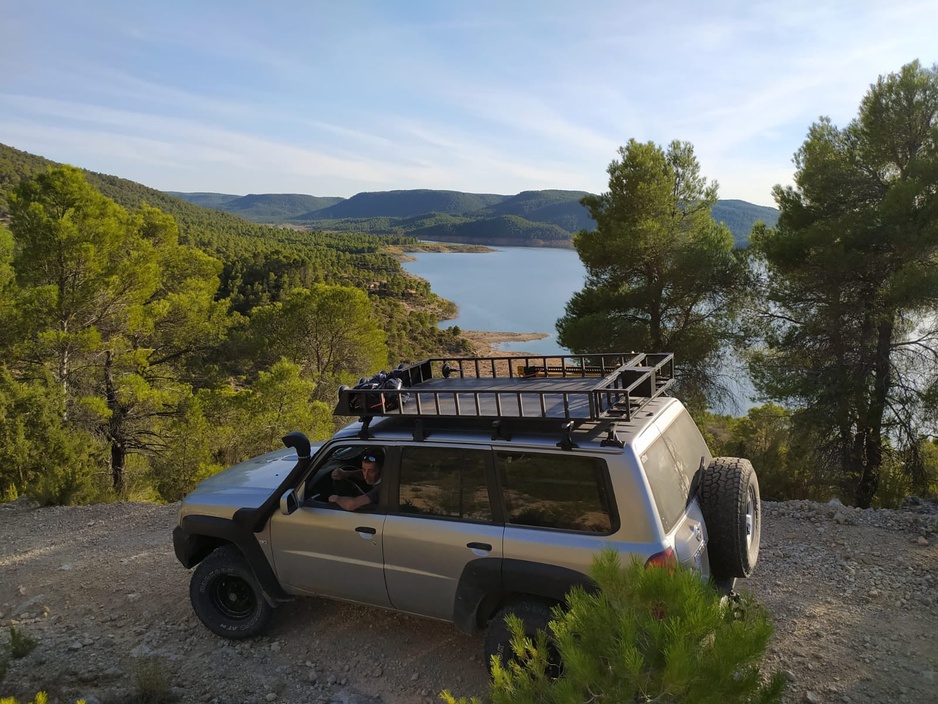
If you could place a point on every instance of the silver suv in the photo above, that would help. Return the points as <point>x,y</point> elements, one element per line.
<point>501,479</point>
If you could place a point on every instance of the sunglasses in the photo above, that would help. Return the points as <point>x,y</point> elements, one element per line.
<point>369,458</point>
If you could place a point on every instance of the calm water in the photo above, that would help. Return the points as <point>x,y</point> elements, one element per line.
<point>515,289</point>
<point>525,289</point>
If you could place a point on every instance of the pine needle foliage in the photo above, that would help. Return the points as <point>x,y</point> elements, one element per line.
<point>21,644</point>
<point>646,635</point>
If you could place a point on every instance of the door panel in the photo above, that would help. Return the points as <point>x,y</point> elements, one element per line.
<point>332,552</point>
<point>440,520</point>
<point>424,558</point>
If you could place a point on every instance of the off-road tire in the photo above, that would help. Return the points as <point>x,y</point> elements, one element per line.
<point>226,597</point>
<point>536,615</point>
<point>729,499</point>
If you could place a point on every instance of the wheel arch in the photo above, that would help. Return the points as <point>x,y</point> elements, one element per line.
<point>489,584</point>
<point>198,536</point>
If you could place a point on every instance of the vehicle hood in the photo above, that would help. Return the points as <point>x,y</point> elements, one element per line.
<point>248,484</point>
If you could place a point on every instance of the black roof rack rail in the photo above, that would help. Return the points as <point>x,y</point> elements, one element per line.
<point>567,387</point>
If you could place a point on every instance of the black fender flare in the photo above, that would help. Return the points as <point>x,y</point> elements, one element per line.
<point>486,584</point>
<point>196,536</point>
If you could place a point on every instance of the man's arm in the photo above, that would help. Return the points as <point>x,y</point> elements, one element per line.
<point>348,474</point>
<point>351,503</point>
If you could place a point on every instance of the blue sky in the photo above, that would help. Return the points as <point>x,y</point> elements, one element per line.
<point>334,98</point>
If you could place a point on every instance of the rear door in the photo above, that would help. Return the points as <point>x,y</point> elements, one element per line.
<point>440,520</point>
<point>674,464</point>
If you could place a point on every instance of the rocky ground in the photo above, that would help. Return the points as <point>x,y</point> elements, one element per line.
<point>854,594</point>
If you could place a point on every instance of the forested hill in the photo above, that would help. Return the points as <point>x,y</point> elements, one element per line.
<point>740,216</point>
<point>528,218</point>
<point>264,207</point>
<point>261,263</point>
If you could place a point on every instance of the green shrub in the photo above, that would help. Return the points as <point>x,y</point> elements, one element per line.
<point>646,635</point>
<point>152,682</point>
<point>21,644</point>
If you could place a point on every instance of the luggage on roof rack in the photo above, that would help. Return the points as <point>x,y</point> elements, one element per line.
<point>559,387</point>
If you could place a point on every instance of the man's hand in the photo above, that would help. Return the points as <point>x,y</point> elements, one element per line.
<point>350,503</point>
<point>339,474</point>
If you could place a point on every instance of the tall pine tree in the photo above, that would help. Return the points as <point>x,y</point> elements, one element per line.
<point>851,280</point>
<point>661,274</point>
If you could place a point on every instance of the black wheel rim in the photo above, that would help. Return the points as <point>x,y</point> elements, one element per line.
<point>233,597</point>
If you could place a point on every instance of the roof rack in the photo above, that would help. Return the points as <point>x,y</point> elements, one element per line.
<point>559,387</point>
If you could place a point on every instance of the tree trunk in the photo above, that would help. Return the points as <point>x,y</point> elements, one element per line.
<point>882,382</point>
<point>114,430</point>
<point>118,462</point>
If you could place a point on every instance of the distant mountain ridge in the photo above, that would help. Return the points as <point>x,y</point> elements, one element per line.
<point>529,218</point>
<point>538,218</point>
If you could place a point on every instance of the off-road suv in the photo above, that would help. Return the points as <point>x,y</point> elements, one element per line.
<point>502,478</point>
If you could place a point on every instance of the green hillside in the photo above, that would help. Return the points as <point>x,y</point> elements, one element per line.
<point>504,229</point>
<point>561,208</point>
<point>404,204</point>
<point>262,263</point>
<point>277,207</point>
<point>206,200</point>
<point>740,216</point>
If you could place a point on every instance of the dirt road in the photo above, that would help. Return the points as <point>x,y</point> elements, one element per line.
<point>854,594</point>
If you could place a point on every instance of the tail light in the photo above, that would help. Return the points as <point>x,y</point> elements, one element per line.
<point>666,558</point>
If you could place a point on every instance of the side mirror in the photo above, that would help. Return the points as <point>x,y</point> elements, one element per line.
<point>289,502</point>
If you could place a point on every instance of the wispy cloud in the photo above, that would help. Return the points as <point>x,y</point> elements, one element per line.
<point>335,98</point>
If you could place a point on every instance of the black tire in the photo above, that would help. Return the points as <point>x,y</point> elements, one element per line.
<point>536,616</point>
<point>226,597</point>
<point>732,509</point>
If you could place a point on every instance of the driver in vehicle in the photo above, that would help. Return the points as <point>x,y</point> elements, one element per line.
<point>369,474</point>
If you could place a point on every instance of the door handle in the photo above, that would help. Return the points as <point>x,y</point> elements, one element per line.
<point>479,546</point>
<point>366,529</point>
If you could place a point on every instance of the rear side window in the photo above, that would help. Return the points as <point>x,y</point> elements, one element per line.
<point>444,482</point>
<point>665,480</point>
<point>565,492</point>
<point>673,465</point>
<point>690,452</point>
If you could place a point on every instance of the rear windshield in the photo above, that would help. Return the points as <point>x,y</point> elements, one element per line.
<point>673,464</point>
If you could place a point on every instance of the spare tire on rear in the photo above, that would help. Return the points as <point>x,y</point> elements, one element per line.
<point>732,509</point>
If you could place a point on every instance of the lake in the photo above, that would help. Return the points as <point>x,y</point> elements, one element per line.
<point>525,289</point>
<point>514,289</point>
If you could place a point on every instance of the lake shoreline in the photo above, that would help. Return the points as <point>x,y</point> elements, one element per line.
<point>485,342</point>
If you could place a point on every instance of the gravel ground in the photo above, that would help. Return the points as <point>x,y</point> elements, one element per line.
<point>854,595</point>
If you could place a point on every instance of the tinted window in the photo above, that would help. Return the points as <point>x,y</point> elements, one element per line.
<point>447,482</point>
<point>673,464</point>
<point>555,491</point>
<point>666,483</point>
<point>690,452</point>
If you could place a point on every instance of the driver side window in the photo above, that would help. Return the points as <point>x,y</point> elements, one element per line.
<point>320,485</point>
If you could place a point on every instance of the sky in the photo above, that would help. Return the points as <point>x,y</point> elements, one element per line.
<point>332,98</point>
